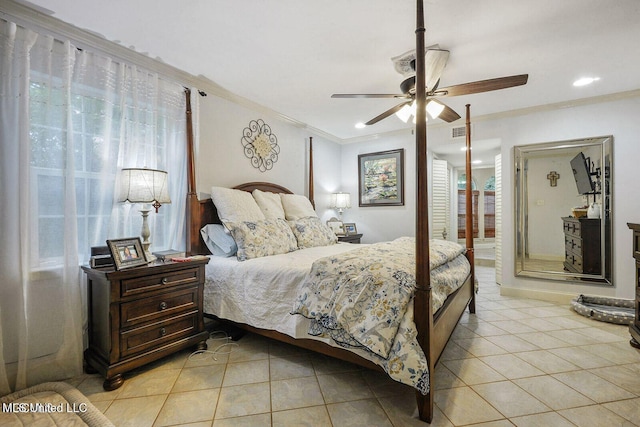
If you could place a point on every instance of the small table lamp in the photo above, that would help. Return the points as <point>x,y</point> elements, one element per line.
<point>340,201</point>
<point>141,185</point>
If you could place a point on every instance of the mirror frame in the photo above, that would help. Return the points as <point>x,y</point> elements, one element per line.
<point>606,202</point>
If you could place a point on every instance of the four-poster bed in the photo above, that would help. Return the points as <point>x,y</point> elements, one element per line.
<point>433,329</point>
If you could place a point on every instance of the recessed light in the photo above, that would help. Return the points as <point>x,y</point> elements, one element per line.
<point>585,81</point>
<point>476,162</point>
<point>360,125</point>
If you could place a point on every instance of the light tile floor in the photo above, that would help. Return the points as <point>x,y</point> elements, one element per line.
<point>516,362</point>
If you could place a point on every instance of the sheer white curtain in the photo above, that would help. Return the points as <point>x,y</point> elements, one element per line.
<point>69,120</point>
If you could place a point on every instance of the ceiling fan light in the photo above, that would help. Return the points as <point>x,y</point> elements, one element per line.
<point>585,81</point>
<point>404,113</point>
<point>434,109</point>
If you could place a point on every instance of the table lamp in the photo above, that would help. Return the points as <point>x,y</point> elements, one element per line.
<point>142,185</point>
<point>340,201</point>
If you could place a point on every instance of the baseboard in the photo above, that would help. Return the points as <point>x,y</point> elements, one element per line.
<point>543,295</point>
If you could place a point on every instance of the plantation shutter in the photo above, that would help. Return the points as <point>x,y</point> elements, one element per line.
<point>440,199</point>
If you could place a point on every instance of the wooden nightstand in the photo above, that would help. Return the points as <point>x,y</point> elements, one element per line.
<point>353,238</point>
<point>142,314</point>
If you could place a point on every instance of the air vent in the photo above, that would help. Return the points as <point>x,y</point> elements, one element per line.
<point>458,132</point>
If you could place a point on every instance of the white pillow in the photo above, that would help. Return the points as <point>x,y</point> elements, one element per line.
<point>296,207</point>
<point>269,204</point>
<point>218,240</point>
<point>235,205</point>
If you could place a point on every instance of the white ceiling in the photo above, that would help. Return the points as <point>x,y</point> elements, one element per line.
<point>291,55</point>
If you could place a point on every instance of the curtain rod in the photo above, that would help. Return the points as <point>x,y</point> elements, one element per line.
<point>42,22</point>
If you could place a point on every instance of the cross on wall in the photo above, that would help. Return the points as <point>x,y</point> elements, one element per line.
<point>553,178</point>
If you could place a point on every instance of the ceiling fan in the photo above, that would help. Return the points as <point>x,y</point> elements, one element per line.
<point>435,61</point>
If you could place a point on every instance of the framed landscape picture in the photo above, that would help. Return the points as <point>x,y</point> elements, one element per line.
<point>381,178</point>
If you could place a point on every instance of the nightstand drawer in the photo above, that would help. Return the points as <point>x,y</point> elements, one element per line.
<point>149,283</point>
<point>147,337</point>
<point>167,304</point>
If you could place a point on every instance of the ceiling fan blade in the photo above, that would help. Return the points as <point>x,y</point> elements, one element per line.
<point>434,61</point>
<point>482,86</point>
<point>387,113</point>
<point>370,95</point>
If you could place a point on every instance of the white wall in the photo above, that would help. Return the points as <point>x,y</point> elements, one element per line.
<point>380,223</point>
<point>547,205</point>
<point>220,158</point>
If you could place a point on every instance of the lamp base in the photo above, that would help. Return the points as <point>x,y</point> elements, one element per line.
<point>147,253</point>
<point>145,234</point>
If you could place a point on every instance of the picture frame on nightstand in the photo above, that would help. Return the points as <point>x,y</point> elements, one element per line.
<point>350,228</point>
<point>336,226</point>
<point>127,253</point>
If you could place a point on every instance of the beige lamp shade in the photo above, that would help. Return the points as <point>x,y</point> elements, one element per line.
<point>340,201</point>
<point>141,185</point>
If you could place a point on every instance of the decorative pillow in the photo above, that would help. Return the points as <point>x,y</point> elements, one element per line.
<point>269,203</point>
<point>218,240</point>
<point>296,207</point>
<point>262,238</point>
<point>312,232</point>
<point>235,205</point>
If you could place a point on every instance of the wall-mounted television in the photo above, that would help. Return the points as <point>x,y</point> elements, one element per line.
<point>581,173</point>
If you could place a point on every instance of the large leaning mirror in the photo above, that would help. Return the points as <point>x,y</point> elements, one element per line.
<point>563,210</point>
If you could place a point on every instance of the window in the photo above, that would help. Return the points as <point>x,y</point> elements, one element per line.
<point>462,203</point>
<point>490,207</point>
<point>109,130</point>
<point>489,213</point>
<point>462,217</point>
<point>462,182</point>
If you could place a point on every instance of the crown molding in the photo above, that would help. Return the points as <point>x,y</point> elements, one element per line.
<point>32,16</point>
<point>41,20</point>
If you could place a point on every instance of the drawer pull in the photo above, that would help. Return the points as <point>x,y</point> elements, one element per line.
<point>163,305</point>
<point>163,332</point>
<point>165,280</point>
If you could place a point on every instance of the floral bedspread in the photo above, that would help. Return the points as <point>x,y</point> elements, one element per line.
<point>364,299</point>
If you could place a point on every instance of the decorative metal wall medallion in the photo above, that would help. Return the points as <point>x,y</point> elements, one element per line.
<point>260,145</point>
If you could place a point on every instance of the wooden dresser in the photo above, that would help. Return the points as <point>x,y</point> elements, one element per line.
<point>141,314</point>
<point>634,327</point>
<point>582,245</point>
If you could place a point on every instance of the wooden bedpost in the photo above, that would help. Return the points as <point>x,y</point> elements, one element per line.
<point>423,309</point>
<point>313,203</point>
<point>192,198</point>
<point>469,211</point>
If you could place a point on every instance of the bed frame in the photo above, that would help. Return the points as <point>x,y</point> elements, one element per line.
<point>434,329</point>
